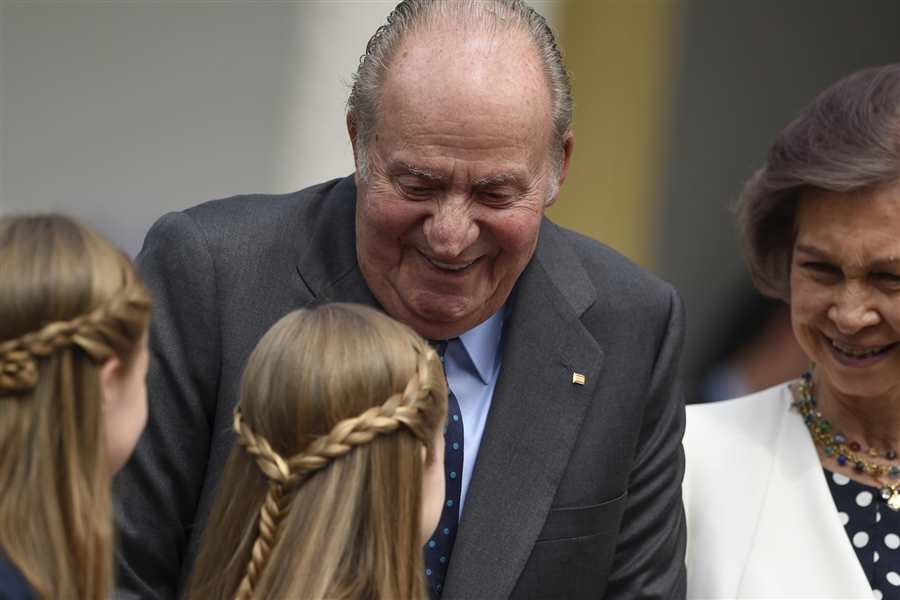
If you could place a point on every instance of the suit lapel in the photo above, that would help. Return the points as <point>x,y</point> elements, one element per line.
<point>532,426</point>
<point>326,241</point>
<point>799,529</point>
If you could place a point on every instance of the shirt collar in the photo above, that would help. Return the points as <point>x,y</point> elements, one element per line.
<point>482,344</point>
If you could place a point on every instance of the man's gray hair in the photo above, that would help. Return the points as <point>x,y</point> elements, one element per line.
<point>477,15</point>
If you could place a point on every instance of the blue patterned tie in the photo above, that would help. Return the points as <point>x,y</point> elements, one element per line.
<point>439,547</point>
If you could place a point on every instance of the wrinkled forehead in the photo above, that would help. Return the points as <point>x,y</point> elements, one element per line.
<point>451,71</point>
<point>472,94</point>
<point>855,228</point>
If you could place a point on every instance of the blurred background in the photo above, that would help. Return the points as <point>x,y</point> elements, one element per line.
<point>118,111</point>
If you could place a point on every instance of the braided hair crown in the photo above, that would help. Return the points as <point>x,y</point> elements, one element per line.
<point>97,333</point>
<point>69,289</point>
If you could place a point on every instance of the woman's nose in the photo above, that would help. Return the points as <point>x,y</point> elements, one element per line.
<point>852,311</point>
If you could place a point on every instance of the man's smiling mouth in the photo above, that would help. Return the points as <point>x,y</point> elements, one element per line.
<point>445,266</point>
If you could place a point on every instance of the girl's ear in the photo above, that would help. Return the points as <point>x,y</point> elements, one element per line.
<point>110,381</point>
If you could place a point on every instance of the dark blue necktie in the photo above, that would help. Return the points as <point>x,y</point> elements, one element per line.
<point>439,547</point>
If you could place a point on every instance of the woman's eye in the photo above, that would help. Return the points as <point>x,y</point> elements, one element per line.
<point>891,278</point>
<point>822,268</point>
<point>823,272</point>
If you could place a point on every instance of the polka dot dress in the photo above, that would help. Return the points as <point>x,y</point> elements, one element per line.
<point>874,531</point>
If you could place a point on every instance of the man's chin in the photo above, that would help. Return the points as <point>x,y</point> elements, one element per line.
<point>436,321</point>
<point>433,315</point>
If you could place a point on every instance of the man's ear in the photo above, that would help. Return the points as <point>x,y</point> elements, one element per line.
<point>568,147</point>
<point>110,381</point>
<point>352,132</point>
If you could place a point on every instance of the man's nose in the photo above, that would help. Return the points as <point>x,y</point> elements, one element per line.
<point>853,310</point>
<point>451,229</point>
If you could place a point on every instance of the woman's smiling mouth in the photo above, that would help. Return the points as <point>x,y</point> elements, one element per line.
<point>858,356</point>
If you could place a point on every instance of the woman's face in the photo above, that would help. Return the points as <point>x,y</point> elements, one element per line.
<point>124,404</point>
<point>845,289</point>
<point>433,486</point>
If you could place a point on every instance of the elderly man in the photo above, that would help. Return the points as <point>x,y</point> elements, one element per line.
<point>564,467</point>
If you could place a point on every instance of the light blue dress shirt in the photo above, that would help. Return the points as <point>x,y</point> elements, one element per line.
<point>472,365</point>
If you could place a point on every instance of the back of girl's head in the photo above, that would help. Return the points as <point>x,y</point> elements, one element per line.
<point>337,403</point>
<point>69,301</point>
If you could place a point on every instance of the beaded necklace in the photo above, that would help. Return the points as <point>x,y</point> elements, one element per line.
<point>836,445</point>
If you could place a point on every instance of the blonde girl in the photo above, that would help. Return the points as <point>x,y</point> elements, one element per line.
<point>73,359</point>
<point>336,478</point>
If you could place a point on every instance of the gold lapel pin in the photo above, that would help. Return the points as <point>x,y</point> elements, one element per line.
<point>578,378</point>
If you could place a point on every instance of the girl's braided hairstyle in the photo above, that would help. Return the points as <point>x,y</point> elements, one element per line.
<point>100,333</point>
<point>69,301</point>
<point>400,410</point>
<point>357,353</point>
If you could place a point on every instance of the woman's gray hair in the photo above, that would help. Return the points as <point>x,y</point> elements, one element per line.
<point>484,15</point>
<point>846,141</point>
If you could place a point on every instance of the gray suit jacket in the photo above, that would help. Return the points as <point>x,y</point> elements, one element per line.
<point>576,492</point>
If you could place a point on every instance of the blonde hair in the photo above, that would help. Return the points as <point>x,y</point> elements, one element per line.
<point>321,496</point>
<point>69,301</point>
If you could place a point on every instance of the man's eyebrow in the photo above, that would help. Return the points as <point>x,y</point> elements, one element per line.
<point>406,169</point>
<point>497,180</point>
<point>488,181</point>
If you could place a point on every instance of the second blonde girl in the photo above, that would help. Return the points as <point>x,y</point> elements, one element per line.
<point>336,478</point>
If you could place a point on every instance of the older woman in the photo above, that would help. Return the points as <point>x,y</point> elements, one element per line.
<point>794,492</point>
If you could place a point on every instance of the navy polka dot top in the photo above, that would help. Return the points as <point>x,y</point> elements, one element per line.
<point>874,532</point>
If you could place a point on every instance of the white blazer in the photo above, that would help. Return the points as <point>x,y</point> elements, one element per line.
<point>761,520</point>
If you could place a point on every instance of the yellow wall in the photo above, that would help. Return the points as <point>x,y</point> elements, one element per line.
<point>620,54</point>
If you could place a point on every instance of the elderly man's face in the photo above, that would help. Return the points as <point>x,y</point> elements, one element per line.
<point>460,171</point>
